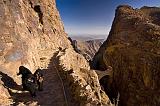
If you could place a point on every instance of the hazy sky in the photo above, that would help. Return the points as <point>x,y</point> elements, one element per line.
<point>82,17</point>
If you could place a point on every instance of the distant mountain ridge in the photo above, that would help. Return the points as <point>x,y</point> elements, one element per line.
<point>87,37</point>
<point>87,48</point>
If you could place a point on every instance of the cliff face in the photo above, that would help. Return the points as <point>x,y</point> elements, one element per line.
<point>31,31</point>
<point>29,28</point>
<point>133,51</point>
<point>82,83</point>
<point>31,35</point>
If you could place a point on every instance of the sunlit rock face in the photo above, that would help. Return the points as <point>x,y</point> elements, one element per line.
<point>82,82</point>
<point>4,98</point>
<point>31,31</point>
<point>133,51</point>
<point>29,28</point>
<point>31,34</point>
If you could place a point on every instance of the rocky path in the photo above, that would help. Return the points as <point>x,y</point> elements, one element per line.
<point>52,95</point>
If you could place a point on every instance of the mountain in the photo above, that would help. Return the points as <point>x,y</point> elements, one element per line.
<point>132,53</point>
<point>87,48</point>
<point>87,37</point>
<point>32,35</point>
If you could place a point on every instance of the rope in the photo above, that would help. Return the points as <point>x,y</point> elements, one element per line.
<point>64,93</point>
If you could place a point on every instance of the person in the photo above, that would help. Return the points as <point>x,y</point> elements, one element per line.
<point>24,72</point>
<point>28,80</point>
<point>39,78</point>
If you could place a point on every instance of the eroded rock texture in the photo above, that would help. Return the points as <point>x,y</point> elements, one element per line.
<point>31,30</point>
<point>133,51</point>
<point>28,28</point>
<point>83,83</point>
<point>31,35</point>
<point>4,98</point>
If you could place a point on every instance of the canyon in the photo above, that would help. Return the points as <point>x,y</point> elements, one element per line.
<point>87,48</point>
<point>123,71</point>
<point>32,34</point>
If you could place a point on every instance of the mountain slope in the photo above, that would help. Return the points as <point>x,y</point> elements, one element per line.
<point>132,50</point>
<point>33,35</point>
<point>87,48</point>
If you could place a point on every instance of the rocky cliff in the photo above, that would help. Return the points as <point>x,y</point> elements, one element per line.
<point>31,31</point>
<point>33,35</point>
<point>28,29</point>
<point>133,51</point>
<point>83,83</point>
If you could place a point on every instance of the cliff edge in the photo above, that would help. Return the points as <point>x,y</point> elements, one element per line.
<point>32,34</point>
<point>133,51</point>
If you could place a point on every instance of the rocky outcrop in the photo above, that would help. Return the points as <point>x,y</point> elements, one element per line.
<point>4,98</point>
<point>82,83</point>
<point>29,28</point>
<point>132,50</point>
<point>31,35</point>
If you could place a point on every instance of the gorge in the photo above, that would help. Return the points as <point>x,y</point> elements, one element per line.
<point>32,35</point>
<point>123,72</point>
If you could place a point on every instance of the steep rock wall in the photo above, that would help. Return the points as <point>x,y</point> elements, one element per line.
<point>132,50</point>
<point>29,29</point>
<point>31,34</point>
<point>82,83</point>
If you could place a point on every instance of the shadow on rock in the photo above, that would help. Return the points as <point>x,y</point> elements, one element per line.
<point>15,90</point>
<point>52,94</point>
<point>9,82</point>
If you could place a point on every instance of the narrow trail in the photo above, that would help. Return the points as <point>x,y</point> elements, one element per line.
<point>53,93</point>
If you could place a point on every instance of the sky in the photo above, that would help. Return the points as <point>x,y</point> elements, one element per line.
<point>93,17</point>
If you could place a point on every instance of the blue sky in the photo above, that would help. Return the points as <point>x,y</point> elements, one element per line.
<point>94,17</point>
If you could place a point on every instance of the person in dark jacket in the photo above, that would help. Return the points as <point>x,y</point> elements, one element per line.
<point>24,72</point>
<point>29,82</point>
<point>31,85</point>
<point>39,78</point>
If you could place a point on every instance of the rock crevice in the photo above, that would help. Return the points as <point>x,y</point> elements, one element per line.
<point>39,12</point>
